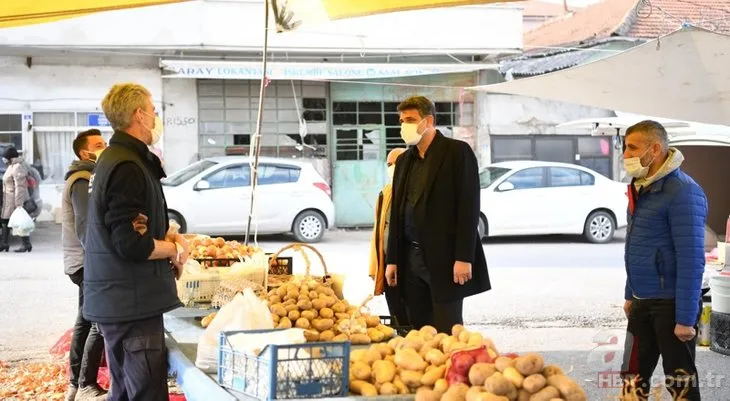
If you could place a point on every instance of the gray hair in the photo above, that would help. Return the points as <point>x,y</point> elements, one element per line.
<point>651,129</point>
<point>122,101</point>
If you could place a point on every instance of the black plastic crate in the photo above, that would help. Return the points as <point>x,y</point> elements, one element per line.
<point>282,266</point>
<point>393,323</point>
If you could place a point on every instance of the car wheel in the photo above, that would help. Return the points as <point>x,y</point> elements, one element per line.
<point>177,219</point>
<point>599,228</point>
<point>309,227</point>
<point>482,227</point>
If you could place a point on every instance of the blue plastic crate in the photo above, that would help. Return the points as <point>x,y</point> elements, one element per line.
<point>312,370</point>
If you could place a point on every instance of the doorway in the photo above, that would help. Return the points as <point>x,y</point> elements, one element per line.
<point>358,173</point>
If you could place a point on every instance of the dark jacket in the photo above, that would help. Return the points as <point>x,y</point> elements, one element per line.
<point>120,283</point>
<point>665,256</point>
<point>74,210</point>
<point>449,233</point>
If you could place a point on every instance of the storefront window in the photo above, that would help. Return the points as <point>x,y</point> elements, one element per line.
<point>53,136</point>
<point>228,111</point>
<point>448,115</point>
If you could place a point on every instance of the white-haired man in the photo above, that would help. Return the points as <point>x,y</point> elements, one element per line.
<point>129,271</point>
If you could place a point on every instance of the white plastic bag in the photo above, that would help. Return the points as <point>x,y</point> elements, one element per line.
<point>244,312</point>
<point>21,223</point>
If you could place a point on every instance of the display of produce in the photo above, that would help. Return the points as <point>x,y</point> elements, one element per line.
<point>314,306</point>
<point>204,247</point>
<point>463,366</point>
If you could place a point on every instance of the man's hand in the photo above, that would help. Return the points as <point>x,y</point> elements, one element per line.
<point>177,269</point>
<point>391,275</point>
<point>170,234</point>
<point>684,333</point>
<point>183,248</point>
<point>140,224</point>
<point>627,308</point>
<point>462,272</point>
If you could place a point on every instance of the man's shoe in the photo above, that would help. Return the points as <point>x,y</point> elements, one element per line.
<point>71,393</point>
<point>91,393</point>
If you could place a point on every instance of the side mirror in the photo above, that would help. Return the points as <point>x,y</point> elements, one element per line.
<point>506,186</point>
<point>201,185</point>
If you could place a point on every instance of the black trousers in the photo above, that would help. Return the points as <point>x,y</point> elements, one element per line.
<point>87,344</point>
<point>650,335</point>
<point>137,360</point>
<point>396,305</point>
<point>422,310</point>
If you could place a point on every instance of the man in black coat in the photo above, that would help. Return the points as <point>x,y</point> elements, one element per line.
<point>437,258</point>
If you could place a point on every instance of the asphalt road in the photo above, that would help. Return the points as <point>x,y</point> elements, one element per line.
<point>556,295</point>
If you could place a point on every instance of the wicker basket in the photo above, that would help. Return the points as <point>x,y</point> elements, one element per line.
<point>228,288</point>
<point>334,281</point>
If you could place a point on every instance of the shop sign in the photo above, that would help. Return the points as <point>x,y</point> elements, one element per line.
<point>97,120</point>
<point>307,71</point>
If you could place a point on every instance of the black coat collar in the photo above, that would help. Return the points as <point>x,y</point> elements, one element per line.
<point>124,139</point>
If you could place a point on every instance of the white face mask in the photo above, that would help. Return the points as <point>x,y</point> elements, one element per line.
<point>157,131</point>
<point>634,168</point>
<point>409,133</point>
<point>94,156</point>
<point>391,172</point>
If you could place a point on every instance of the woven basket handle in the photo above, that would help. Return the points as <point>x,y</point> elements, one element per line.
<point>307,263</point>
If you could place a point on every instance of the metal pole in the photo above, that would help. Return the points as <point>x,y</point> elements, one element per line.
<point>259,120</point>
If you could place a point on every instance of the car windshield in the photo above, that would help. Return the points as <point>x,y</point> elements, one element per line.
<point>491,174</point>
<point>187,173</point>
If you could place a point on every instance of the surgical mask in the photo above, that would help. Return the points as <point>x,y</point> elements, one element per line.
<point>634,168</point>
<point>157,131</point>
<point>94,156</point>
<point>409,133</point>
<point>391,172</point>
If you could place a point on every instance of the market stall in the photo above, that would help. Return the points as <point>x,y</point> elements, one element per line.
<point>300,338</point>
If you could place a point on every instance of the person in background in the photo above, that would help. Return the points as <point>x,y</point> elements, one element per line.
<point>87,344</point>
<point>665,261</point>
<point>435,255</point>
<point>131,257</point>
<point>379,245</point>
<point>16,195</point>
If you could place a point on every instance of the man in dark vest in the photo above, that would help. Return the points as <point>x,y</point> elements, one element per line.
<point>87,344</point>
<point>129,273</point>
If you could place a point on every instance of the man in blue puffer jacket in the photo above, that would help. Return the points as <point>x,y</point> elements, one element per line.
<point>665,260</point>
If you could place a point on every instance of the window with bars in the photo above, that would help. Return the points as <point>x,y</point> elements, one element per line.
<point>228,111</point>
<point>53,136</point>
<point>448,115</point>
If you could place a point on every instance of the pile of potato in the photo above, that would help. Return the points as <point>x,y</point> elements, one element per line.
<point>314,307</point>
<point>437,366</point>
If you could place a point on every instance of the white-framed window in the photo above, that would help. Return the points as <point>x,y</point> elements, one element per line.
<point>11,130</point>
<point>53,136</point>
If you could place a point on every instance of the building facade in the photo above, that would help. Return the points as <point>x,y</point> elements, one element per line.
<point>331,96</point>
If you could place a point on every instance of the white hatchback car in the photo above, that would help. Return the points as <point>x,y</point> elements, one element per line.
<point>213,196</point>
<point>535,198</point>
